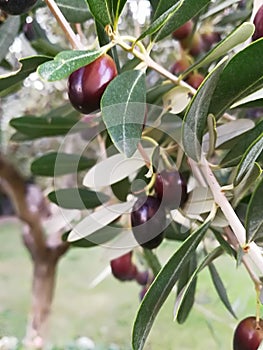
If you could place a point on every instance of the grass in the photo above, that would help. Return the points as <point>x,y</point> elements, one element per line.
<point>106,313</point>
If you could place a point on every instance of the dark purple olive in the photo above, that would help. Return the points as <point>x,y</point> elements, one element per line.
<point>148,221</point>
<point>248,334</point>
<point>87,84</point>
<point>258,22</point>
<point>123,268</point>
<point>142,277</point>
<point>16,7</point>
<point>171,189</point>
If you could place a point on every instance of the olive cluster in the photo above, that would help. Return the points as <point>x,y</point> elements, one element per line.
<point>148,216</point>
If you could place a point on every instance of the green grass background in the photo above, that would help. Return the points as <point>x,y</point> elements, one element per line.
<point>106,313</point>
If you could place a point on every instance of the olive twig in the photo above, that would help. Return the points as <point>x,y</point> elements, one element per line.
<point>65,26</point>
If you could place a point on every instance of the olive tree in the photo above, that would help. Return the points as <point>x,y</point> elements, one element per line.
<point>157,135</point>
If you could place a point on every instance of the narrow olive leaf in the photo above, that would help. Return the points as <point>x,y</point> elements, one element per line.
<point>233,157</point>
<point>195,119</point>
<point>244,187</point>
<point>66,62</point>
<point>162,286</point>
<point>248,159</point>
<point>218,7</point>
<point>252,100</point>
<point>223,243</point>
<point>77,198</point>
<point>182,297</point>
<point>8,32</point>
<point>27,66</point>
<point>123,110</point>
<point>99,237</point>
<point>187,303</point>
<point>238,36</point>
<point>36,127</point>
<point>101,11</point>
<point>229,131</point>
<point>243,73</point>
<point>160,21</point>
<point>154,4</point>
<point>76,12</point>
<point>57,163</point>
<point>163,6</point>
<point>113,170</point>
<point>220,288</point>
<point>187,10</point>
<point>117,7</point>
<point>98,220</point>
<point>254,219</point>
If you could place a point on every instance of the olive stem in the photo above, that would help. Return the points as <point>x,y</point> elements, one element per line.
<point>144,156</point>
<point>65,26</point>
<point>252,251</point>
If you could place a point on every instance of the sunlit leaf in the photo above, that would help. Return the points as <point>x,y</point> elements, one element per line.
<point>113,170</point>
<point>98,220</point>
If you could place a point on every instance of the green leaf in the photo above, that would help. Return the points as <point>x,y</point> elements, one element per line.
<point>117,7</point>
<point>243,188</point>
<point>99,237</point>
<point>160,21</point>
<point>27,66</point>
<point>36,127</point>
<point>238,36</point>
<point>162,286</point>
<point>101,11</point>
<point>248,159</point>
<point>56,164</point>
<point>8,32</point>
<point>77,198</point>
<point>185,293</point>
<point>188,302</point>
<point>123,110</point>
<point>163,6</point>
<point>243,73</point>
<point>195,120</point>
<point>66,62</point>
<point>75,12</point>
<point>243,141</point>
<point>254,219</point>
<point>187,10</point>
<point>219,286</point>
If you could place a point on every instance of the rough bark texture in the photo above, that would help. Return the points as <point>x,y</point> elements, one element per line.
<point>31,208</point>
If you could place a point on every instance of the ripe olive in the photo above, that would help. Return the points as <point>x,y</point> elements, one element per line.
<point>16,7</point>
<point>171,189</point>
<point>87,84</point>
<point>184,31</point>
<point>258,22</point>
<point>195,79</point>
<point>148,220</point>
<point>123,268</point>
<point>248,334</point>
